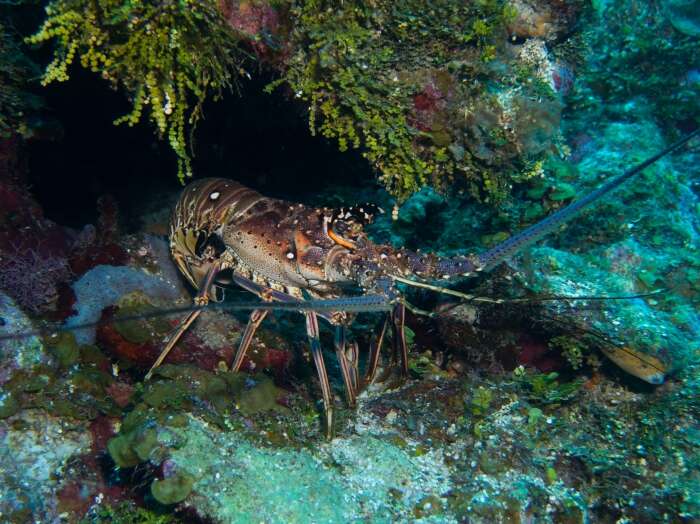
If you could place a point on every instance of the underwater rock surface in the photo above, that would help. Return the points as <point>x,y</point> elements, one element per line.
<point>348,479</point>
<point>22,354</point>
<point>35,451</point>
<point>102,286</point>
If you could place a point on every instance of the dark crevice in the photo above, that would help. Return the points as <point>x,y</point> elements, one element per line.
<point>259,139</point>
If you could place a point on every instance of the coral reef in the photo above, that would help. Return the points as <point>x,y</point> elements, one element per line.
<point>477,110</point>
<point>632,251</point>
<point>535,408</point>
<point>641,64</point>
<point>16,354</point>
<point>32,277</point>
<point>36,451</point>
<point>683,14</point>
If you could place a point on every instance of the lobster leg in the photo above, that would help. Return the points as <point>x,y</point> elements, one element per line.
<point>201,299</point>
<point>313,334</point>
<point>347,365</point>
<point>398,321</point>
<point>172,340</point>
<point>256,317</point>
<point>375,348</point>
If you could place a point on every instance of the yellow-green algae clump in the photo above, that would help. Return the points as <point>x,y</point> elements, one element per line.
<point>165,54</point>
<point>425,91</point>
<point>430,94</point>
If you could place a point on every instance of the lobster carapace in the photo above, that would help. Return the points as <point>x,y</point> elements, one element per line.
<point>223,232</point>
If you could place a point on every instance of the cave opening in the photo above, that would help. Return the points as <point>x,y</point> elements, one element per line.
<point>261,140</point>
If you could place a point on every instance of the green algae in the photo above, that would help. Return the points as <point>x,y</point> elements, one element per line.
<point>430,96</point>
<point>122,453</point>
<point>148,441</point>
<point>64,347</point>
<point>173,489</point>
<point>260,398</point>
<point>139,331</point>
<point>151,52</point>
<point>481,401</point>
<point>145,444</point>
<point>127,513</point>
<point>562,191</point>
<point>167,395</point>
<point>16,68</point>
<point>547,388</point>
<point>571,349</point>
<point>9,405</point>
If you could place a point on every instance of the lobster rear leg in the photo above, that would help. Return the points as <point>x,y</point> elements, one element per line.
<point>201,299</point>
<point>254,321</point>
<point>398,323</point>
<point>315,343</point>
<point>397,318</point>
<point>348,366</point>
<point>375,348</point>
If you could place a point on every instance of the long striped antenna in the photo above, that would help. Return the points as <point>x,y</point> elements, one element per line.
<point>497,254</point>
<point>358,304</point>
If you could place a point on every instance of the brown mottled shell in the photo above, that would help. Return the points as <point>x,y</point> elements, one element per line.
<point>203,208</point>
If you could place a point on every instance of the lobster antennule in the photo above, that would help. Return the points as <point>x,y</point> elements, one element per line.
<point>497,254</point>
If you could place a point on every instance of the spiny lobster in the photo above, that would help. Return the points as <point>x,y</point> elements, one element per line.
<point>222,232</point>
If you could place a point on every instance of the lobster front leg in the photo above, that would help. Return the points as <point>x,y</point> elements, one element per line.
<point>201,299</point>
<point>313,334</point>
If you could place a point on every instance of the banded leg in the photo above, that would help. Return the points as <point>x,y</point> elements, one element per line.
<point>398,321</point>
<point>375,349</point>
<point>172,340</point>
<point>313,334</point>
<point>254,321</point>
<point>348,366</point>
<point>201,299</point>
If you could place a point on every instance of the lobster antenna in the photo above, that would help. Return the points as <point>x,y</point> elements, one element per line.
<point>497,254</point>
<point>545,298</point>
<point>605,341</point>
<point>350,304</point>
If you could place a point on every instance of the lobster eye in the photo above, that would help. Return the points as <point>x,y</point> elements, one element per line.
<point>214,241</point>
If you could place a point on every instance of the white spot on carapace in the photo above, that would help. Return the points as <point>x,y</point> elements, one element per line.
<point>215,195</point>
<point>290,255</point>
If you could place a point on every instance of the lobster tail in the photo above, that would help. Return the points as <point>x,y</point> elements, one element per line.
<point>497,254</point>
